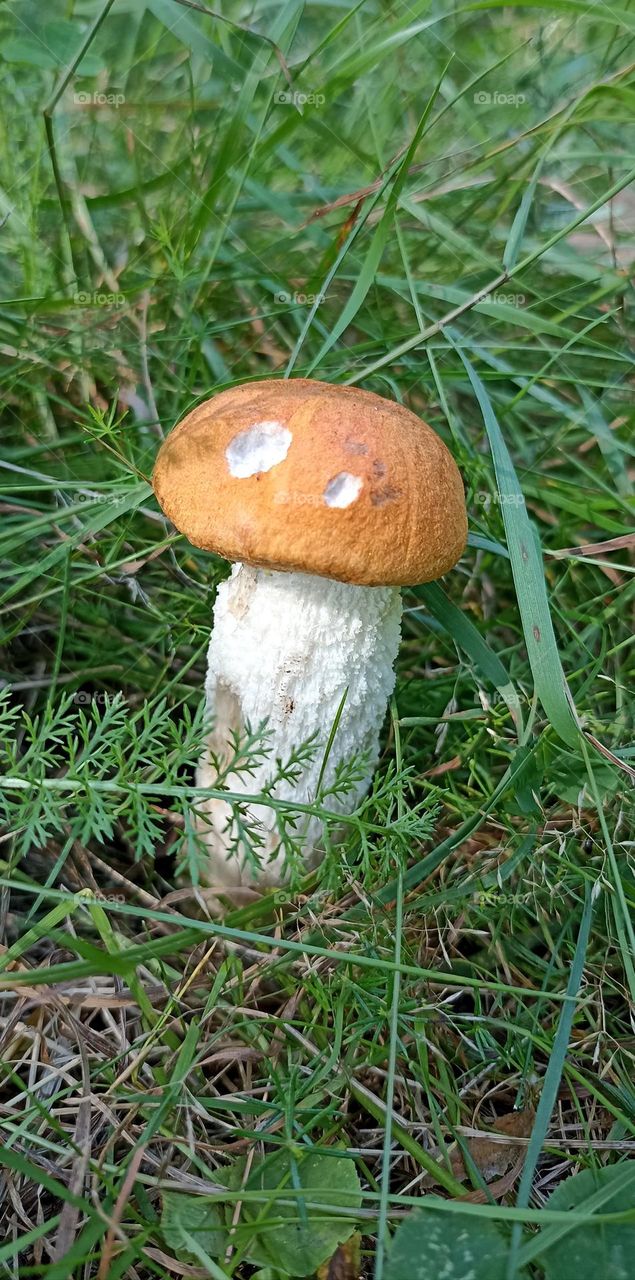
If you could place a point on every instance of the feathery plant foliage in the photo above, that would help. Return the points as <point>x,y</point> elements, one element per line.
<point>433,201</point>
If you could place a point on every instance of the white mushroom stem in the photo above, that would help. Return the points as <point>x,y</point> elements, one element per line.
<point>285,647</point>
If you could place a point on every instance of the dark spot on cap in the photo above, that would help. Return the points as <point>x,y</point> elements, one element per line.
<point>379,469</point>
<point>387,494</point>
<point>356,446</point>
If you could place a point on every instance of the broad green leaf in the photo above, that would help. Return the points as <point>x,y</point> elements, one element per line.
<point>594,1250</point>
<point>302,1237</point>
<point>196,1217</point>
<point>429,1244</point>
<point>282,1228</point>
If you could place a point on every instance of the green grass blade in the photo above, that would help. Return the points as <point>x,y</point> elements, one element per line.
<point>529,578</point>
<point>553,1076</point>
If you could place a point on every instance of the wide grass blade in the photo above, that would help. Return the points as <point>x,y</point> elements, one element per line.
<point>529,578</point>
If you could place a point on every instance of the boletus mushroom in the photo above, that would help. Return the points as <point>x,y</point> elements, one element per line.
<point>326,500</point>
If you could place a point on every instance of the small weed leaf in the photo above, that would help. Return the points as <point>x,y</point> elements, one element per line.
<point>283,1227</point>
<point>595,1249</point>
<point>430,1243</point>
<point>192,1217</point>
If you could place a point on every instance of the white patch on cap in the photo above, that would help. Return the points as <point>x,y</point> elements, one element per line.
<point>259,448</point>
<point>343,489</point>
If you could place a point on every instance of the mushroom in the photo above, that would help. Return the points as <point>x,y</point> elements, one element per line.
<point>327,500</point>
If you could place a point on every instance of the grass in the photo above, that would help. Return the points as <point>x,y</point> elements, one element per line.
<point>435,203</point>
